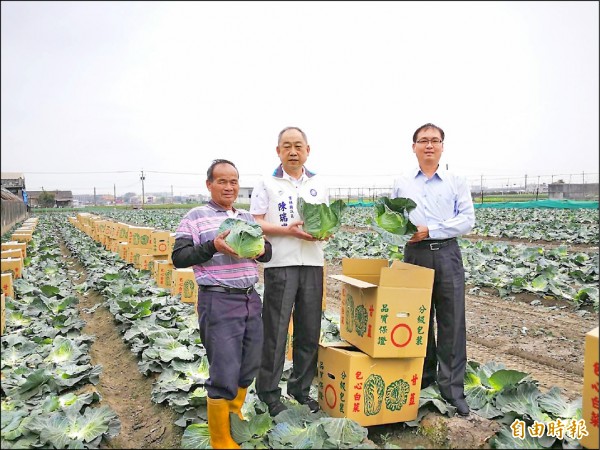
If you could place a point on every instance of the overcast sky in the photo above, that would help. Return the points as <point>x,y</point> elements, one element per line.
<point>166,87</point>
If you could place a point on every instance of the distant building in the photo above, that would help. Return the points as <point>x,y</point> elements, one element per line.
<point>244,195</point>
<point>572,191</point>
<point>62,199</point>
<point>15,183</point>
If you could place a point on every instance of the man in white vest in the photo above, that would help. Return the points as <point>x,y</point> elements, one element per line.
<point>293,277</point>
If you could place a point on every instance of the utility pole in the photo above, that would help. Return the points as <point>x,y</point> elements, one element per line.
<point>143,196</point>
<point>94,195</point>
<point>115,193</point>
<point>481,186</point>
<point>171,194</point>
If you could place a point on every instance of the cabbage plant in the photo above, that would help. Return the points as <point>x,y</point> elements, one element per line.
<point>245,238</point>
<point>321,220</point>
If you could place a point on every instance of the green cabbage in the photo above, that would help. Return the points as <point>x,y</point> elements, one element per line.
<point>245,238</point>
<point>321,220</point>
<point>391,218</point>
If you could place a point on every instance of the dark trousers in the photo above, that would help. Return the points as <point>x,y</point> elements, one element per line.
<point>232,334</point>
<point>446,359</point>
<point>299,288</point>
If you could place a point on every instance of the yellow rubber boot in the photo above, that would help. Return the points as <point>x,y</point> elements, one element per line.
<point>235,405</point>
<point>218,424</point>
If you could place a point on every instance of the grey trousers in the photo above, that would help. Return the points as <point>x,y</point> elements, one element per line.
<point>446,358</point>
<point>297,288</point>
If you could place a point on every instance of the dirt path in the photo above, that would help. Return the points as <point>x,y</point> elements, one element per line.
<point>144,424</point>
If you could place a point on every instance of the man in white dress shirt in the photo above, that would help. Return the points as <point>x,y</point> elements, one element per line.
<point>444,211</point>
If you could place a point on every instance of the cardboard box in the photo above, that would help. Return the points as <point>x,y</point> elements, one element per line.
<point>2,314</point>
<point>21,237</point>
<point>590,389</point>
<point>98,227</point>
<point>140,236</point>
<point>184,284</point>
<point>109,228</point>
<point>385,310</point>
<point>122,232</point>
<point>11,245</point>
<point>14,253</point>
<point>289,341</point>
<point>12,265</point>
<point>131,254</point>
<point>140,257</point>
<point>159,243</point>
<point>123,249</point>
<point>112,245</point>
<point>370,391</point>
<point>164,274</point>
<point>147,262</point>
<point>7,284</point>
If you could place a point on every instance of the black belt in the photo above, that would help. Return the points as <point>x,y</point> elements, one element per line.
<point>227,290</point>
<point>431,244</point>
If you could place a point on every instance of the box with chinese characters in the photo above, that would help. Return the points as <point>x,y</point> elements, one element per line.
<point>183,283</point>
<point>163,274</point>
<point>370,391</point>
<point>13,266</point>
<point>7,284</point>
<point>590,389</point>
<point>385,310</point>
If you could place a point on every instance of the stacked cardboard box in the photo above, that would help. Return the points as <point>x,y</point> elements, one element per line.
<point>2,314</point>
<point>7,284</point>
<point>184,284</point>
<point>164,274</point>
<point>12,265</point>
<point>12,245</point>
<point>375,376</point>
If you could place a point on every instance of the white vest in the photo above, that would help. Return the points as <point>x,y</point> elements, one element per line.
<point>291,251</point>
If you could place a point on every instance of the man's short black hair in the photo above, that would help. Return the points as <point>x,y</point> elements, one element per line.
<point>211,169</point>
<point>424,127</point>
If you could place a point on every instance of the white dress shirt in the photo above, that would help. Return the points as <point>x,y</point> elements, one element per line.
<point>444,202</point>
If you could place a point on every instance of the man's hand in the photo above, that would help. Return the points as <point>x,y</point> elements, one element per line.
<point>422,233</point>
<point>294,230</point>
<point>223,246</point>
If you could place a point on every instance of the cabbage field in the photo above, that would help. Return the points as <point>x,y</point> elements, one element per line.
<point>78,301</point>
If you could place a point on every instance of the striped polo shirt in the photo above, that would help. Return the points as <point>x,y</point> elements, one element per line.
<point>201,224</point>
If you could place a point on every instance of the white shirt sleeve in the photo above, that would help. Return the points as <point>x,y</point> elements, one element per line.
<point>259,202</point>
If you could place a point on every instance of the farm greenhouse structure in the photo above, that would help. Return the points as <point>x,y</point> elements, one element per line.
<point>71,279</point>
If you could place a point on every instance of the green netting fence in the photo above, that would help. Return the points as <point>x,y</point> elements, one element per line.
<point>562,204</point>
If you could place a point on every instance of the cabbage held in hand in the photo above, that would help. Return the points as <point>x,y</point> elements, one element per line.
<point>321,220</point>
<point>245,238</point>
<point>391,218</point>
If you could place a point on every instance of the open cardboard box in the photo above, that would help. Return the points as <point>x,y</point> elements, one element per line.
<point>385,310</point>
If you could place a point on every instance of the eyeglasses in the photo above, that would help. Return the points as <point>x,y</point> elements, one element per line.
<point>434,141</point>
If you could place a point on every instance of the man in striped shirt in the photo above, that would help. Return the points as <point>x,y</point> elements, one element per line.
<point>229,309</point>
